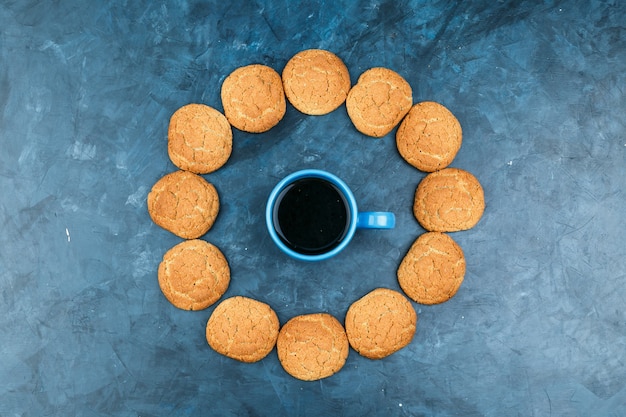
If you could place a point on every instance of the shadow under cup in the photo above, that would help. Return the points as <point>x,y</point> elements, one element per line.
<point>312,215</point>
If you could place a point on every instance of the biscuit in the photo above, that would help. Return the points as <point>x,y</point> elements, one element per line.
<point>316,81</point>
<point>253,98</point>
<point>380,323</point>
<point>193,275</point>
<point>429,137</point>
<point>449,200</point>
<point>378,101</point>
<point>312,346</point>
<point>433,269</point>
<point>200,139</point>
<point>242,329</point>
<point>183,203</point>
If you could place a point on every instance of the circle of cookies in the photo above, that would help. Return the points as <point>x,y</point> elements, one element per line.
<point>316,81</point>
<point>193,275</point>
<point>449,200</point>
<point>312,346</point>
<point>378,101</point>
<point>253,98</point>
<point>433,269</point>
<point>200,139</point>
<point>184,203</point>
<point>243,329</point>
<point>429,137</point>
<point>380,323</point>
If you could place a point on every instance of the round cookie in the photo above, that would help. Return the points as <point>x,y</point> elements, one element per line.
<point>183,203</point>
<point>449,200</point>
<point>378,101</point>
<point>193,275</point>
<point>200,139</point>
<point>380,323</point>
<point>242,329</point>
<point>433,269</point>
<point>429,137</point>
<point>253,98</point>
<point>316,81</point>
<point>312,346</point>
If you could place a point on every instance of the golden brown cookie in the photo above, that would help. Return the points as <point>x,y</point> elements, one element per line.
<point>312,346</point>
<point>253,98</point>
<point>316,81</point>
<point>200,139</point>
<point>183,203</point>
<point>378,101</point>
<point>243,329</point>
<point>448,201</point>
<point>193,275</point>
<point>429,137</point>
<point>433,269</point>
<point>380,323</point>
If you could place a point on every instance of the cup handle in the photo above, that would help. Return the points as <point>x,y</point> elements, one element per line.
<point>376,220</point>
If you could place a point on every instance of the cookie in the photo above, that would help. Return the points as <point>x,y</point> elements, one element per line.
<point>193,275</point>
<point>380,323</point>
<point>316,81</point>
<point>378,101</point>
<point>448,201</point>
<point>312,346</point>
<point>429,137</point>
<point>199,139</point>
<point>183,203</point>
<point>253,98</point>
<point>242,329</point>
<point>433,269</point>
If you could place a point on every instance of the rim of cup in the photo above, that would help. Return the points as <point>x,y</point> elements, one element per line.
<point>311,173</point>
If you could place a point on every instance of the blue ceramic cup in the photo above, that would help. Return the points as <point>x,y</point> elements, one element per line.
<point>312,215</point>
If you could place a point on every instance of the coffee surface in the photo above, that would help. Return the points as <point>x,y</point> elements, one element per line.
<point>311,216</point>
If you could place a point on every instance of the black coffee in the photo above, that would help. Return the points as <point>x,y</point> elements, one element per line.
<point>311,216</point>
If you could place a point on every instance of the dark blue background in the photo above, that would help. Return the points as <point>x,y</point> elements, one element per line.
<point>538,327</point>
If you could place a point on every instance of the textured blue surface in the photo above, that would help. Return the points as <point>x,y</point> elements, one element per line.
<point>538,327</point>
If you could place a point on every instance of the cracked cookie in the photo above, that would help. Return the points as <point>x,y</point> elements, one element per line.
<point>200,139</point>
<point>449,200</point>
<point>243,329</point>
<point>253,98</point>
<point>193,275</point>
<point>380,323</point>
<point>378,101</point>
<point>433,269</point>
<point>429,137</point>
<point>316,81</point>
<point>312,346</point>
<point>183,203</point>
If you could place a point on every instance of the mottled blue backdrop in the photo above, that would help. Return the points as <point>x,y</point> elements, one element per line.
<point>538,327</point>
